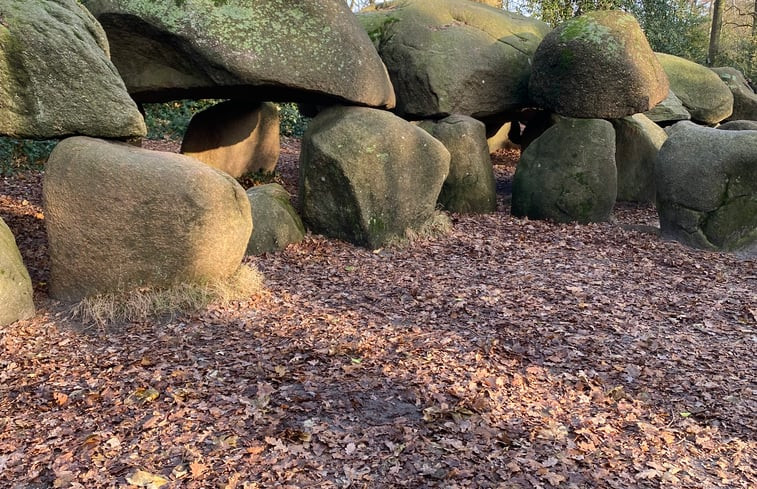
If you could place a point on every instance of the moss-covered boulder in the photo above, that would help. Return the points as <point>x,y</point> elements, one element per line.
<point>56,78</point>
<point>275,222</point>
<point>707,98</point>
<point>368,176</point>
<point>744,98</point>
<point>707,187</point>
<point>597,65</point>
<point>470,186</point>
<point>236,136</point>
<point>15,285</point>
<point>454,57</point>
<point>637,142</point>
<point>267,49</point>
<point>120,217</point>
<point>568,173</point>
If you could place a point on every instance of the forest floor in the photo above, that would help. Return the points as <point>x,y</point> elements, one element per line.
<point>509,353</point>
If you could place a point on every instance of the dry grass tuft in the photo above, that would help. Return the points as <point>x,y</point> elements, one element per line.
<point>438,225</point>
<point>142,303</point>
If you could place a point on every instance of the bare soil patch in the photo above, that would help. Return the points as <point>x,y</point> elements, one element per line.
<point>510,353</point>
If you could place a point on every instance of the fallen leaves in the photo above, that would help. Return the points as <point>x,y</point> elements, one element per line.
<point>511,353</point>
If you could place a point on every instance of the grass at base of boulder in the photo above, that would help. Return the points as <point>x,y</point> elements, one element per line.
<point>438,225</point>
<point>143,303</point>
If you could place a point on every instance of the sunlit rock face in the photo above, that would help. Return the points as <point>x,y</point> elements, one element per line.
<point>454,57</point>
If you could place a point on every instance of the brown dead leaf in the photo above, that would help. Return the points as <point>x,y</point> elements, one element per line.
<point>197,469</point>
<point>61,399</point>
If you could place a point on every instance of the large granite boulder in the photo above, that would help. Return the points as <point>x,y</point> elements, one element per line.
<point>597,65</point>
<point>56,78</point>
<point>276,223</point>
<point>454,57</point>
<point>707,98</point>
<point>470,186</point>
<point>637,142</point>
<point>15,285</point>
<point>236,136</point>
<point>744,98</point>
<point>670,110</point>
<point>367,176</point>
<point>568,173</point>
<point>267,49</point>
<point>120,217</point>
<point>707,187</point>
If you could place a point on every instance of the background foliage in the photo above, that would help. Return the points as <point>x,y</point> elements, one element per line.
<point>18,155</point>
<point>170,119</point>
<point>167,120</point>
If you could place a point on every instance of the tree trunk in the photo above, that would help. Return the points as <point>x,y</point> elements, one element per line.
<point>718,7</point>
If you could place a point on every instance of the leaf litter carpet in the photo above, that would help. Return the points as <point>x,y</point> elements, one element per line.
<point>510,353</point>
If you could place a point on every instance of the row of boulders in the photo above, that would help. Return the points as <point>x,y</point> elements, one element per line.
<point>460,69</point>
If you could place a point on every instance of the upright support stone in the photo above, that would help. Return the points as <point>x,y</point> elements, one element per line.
<point>367,176</point>
<point>236,136</point>
<point>15,285</point>
<point>120,217</point>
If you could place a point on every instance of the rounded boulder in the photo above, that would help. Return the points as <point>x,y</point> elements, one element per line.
<point>120,217</point>
<point>15,285</point>
<point>470,186</point>
<point>368,176</point>
<point>236,136</point>
<point>597,65</point>
<point>707,98</point>
<point>707,187</point>
<point>454,56</point>
<point>56,78</point>
<point>568,173</point>
<point>306,51</point>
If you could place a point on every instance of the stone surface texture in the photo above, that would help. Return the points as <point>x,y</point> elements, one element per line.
<point>637,142</point>
<point>268,49</point>
<point>276,223</point>
<point>15,285</point>
<point>120,217</point>
<point>454,57</point>
<point>368,176</point>
<point>568,173</point>
<point>597,65</point>
<point>744,98</point>
<point>707,188</point>
<point>470,187</point>
<point>236,136</point>
<point>707,98</point>
<point>669,110</point>
<point>56,78</point>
